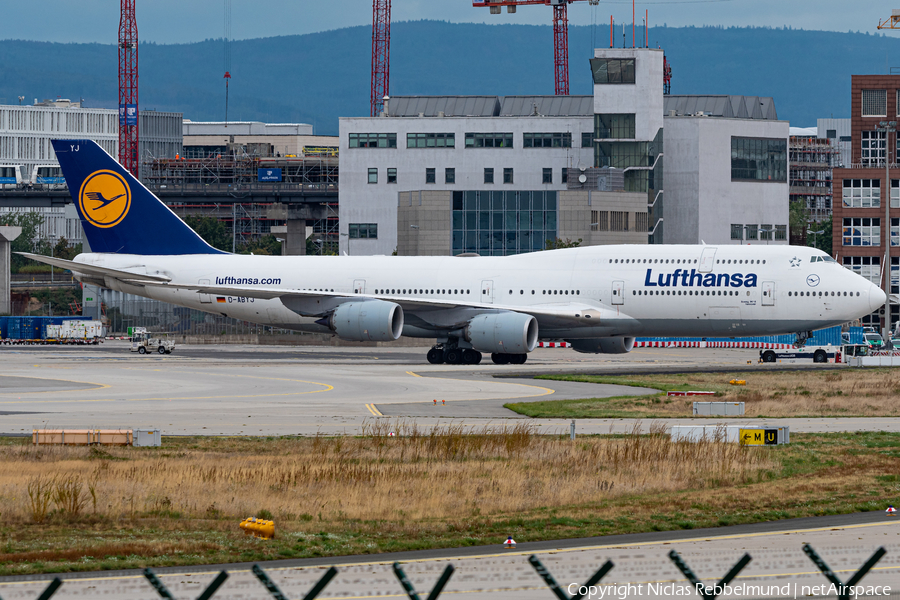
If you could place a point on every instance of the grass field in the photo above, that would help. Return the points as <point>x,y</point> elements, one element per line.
<point>68,509</point>
<point>801,393</point>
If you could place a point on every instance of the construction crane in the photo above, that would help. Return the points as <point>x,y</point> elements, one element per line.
<point>227,54</point>
<point>128,88</point>
<point>560,32</point>
<point>381,53</point>
<point>892,22</point>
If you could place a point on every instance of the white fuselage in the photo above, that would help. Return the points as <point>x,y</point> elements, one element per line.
<point>647,290</point>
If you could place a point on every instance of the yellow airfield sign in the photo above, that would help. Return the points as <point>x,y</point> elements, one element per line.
<point>758,437</point>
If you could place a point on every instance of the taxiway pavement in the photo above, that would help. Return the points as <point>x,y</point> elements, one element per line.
<point>251,390</point>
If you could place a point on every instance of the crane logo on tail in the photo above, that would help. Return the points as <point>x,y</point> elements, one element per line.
<point>104,198</point>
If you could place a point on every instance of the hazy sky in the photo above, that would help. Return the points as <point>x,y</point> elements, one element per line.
<point>177,21</point>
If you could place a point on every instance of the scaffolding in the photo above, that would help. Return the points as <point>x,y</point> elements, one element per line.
<point>812,161</point>
<point>237,174</point>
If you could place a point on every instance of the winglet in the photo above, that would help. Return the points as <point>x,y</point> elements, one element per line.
<point>118,213</point>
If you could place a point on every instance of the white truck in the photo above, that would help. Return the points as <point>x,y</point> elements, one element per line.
<point>143,342</point>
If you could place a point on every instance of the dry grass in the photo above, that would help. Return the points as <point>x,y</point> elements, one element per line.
<point>444,473</point>
<point>181,504</point>
<point>803,393</point>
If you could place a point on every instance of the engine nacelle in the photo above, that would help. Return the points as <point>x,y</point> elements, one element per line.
<point>369,321</point>
<point>610,345</point>
<point>503,333</point>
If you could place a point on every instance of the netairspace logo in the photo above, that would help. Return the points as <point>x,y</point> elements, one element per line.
<point>669,590</point>
<point>692,278</point>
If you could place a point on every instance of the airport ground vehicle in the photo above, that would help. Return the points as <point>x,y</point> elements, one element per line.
<point>818,354</point>
<point>11,177</point>
<point>144,342</point>
<point>874,340</point>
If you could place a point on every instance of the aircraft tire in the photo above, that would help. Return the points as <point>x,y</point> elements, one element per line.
<point>471,357</point>
<point>500,359</point>
<point>518,359</point>
<point>142,350</point>
<point>436,356</point>
<point>453,356</point>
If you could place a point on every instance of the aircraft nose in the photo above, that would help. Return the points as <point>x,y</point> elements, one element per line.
<point>876,298</point>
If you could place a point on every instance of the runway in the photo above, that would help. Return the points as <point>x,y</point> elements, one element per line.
<point>778,564</point>
<point>250,390</point>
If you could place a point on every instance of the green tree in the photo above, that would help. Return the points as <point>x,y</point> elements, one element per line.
<point>562,243</point>
<point>822,241</point>
<point>212,230</point>
<point>267,244</point>
<point>798,222</point>
<point>29,222</point>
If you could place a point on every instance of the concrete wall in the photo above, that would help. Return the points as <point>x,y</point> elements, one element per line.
<point>644,97</point>
<point>575,208</point>
<point>423,223</point>
<point>362,202</point>
<point>700,199</point>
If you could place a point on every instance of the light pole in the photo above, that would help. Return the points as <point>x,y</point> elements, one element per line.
<point>815,233</point>
<point>888,127</point>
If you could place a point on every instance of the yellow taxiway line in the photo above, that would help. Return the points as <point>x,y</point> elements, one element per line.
<point>372,409</point>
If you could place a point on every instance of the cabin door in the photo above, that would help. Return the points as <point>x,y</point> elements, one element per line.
<point>487,292</point>
<point>768,293</point>
<point>707,260</point>
<point>359,286</point>
<point>618,292</point>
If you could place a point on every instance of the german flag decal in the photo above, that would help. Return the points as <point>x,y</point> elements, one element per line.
<point>220,299</point>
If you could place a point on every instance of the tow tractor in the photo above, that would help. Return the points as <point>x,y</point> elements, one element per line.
<point>802,352</point>
<point>143,343</point>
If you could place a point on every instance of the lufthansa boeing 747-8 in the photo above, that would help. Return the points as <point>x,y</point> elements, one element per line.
<point>598,298</point>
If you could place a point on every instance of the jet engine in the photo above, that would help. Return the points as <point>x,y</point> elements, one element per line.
<point>503,333</point>
<point>610,345</point>
<point>369,321</point>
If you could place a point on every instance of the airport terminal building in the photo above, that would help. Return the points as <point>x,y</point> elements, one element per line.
<point>504,175</point>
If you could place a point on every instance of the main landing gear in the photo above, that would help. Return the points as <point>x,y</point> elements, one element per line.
<point>453,356</point>
<point>466,356</point>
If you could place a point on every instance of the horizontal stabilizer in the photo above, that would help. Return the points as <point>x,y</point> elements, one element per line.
<point>93,270</point>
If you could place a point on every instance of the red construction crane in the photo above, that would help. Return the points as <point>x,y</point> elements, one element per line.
<point>560,33</point>
<point>227,54</point>
<point>128,89</point>
<point>381,53</point>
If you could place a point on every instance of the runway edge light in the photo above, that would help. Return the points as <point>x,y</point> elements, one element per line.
<point>891,511</point>
<point>509,543</point>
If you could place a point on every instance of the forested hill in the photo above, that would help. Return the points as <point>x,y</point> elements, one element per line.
<point>319,77</point>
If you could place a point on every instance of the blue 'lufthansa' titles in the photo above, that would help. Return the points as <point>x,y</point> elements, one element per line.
<point>694,279</point>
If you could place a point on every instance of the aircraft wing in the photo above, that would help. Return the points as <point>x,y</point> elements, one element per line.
<point>96,271</point>
<point>315,303</point>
